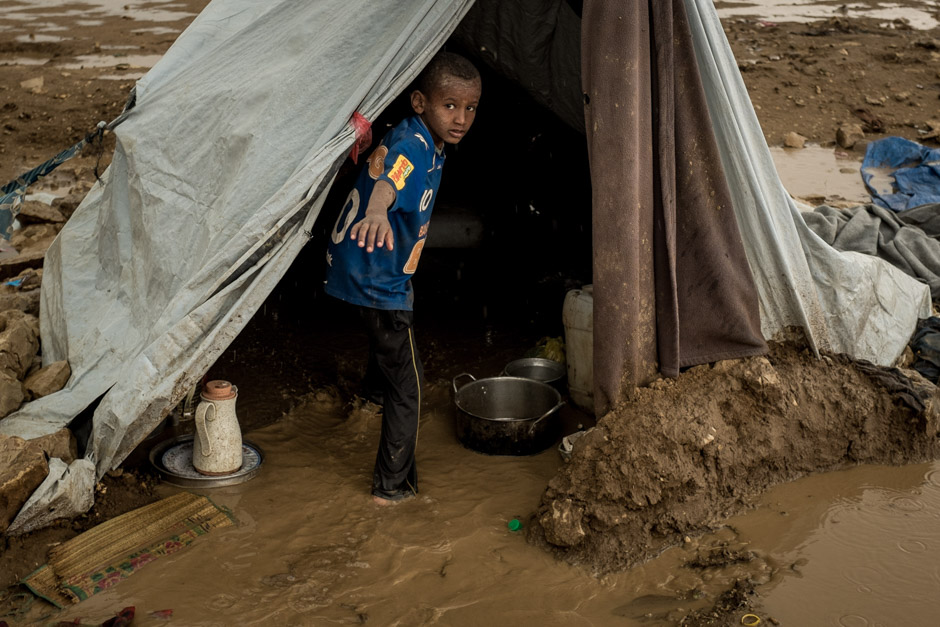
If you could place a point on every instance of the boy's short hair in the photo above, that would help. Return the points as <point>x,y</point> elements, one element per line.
<point>446,64</point>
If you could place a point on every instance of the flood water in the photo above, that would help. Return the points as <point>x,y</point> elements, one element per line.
<point>819,172</point>
<point>848,549</point>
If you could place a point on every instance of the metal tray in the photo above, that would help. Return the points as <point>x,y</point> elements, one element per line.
<point>173,459</point>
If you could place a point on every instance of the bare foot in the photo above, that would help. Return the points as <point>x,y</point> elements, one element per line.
<point>378,500</point>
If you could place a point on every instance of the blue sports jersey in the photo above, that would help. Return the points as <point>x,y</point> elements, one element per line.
<point>408,160</point>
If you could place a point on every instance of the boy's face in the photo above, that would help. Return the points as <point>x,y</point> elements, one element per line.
<point>449,109</point>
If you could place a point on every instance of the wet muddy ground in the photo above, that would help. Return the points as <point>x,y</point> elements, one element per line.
<point>855,547</point>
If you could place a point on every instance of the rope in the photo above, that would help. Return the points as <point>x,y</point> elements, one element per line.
<point>12,193</point>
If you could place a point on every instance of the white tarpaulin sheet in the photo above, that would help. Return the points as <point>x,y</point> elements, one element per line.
<point>217,174</point>
<point>845,302</point>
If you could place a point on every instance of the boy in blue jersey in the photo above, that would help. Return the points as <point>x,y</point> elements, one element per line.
<point>375,246</point>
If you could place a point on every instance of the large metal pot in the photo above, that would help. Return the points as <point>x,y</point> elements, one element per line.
<point>506,415</point>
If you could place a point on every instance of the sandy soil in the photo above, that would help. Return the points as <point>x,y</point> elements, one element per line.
<point>812,78</point>
<point>650,474</point>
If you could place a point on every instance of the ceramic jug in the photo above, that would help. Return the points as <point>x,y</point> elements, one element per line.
<point>217,447</point>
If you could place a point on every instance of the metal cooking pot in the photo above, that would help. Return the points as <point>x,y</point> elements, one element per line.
<point>545,370</point>
<point>506,415</point>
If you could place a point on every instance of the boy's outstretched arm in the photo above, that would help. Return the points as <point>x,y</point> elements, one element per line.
<point>374,229</point>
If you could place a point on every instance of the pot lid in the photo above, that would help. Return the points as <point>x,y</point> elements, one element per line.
<point>219,390</point>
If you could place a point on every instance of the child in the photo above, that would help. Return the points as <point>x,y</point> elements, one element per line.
<point>375,246</point>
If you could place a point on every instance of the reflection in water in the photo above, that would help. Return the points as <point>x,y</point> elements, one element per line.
<point>866,544</point>
<point>814,171</point>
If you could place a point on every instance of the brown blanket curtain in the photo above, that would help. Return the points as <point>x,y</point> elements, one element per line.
<point>672,286</point>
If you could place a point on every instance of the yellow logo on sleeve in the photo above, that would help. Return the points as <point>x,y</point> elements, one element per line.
<point>400,172</point>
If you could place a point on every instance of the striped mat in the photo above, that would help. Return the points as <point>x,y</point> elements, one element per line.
<point>104,555</point>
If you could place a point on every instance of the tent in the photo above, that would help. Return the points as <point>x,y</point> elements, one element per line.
<point>222,167</point>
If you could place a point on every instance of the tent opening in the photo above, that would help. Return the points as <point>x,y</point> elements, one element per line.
<point>509,236</point>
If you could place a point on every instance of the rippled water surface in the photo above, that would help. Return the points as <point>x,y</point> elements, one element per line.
<point>859,547</point>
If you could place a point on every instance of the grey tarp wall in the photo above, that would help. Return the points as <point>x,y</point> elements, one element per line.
<point>217,174</point>
<point>220,168</point>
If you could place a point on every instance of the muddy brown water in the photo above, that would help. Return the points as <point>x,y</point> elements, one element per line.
<point>852,548</point>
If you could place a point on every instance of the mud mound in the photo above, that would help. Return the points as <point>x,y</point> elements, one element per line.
<point>686,453</point>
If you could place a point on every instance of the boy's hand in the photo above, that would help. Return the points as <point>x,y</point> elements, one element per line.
<point>373,231</point>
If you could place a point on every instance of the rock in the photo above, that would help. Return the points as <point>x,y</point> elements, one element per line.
<point>32,242</point>
<point>61,444</point>
<point>934,126</point>
<point>32,212</point>
<point>67,491</point>
<point>19,341</point>
<point>562,524</point>
<point>34,237</point>
<point>33,85</point>
<point>47,380</point>
<point>849,134</point>
<point>22,292</point>
<point>11,394</point>
<point>794,140</point>
<point>26,280</point>
<point>68,204</point>
<point>27,302</point>
<point>12,266</point>
<point>23,467</point>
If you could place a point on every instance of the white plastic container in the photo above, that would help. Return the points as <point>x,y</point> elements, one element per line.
<point>578,318</point>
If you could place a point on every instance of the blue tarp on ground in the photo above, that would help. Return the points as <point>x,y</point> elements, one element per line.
<point>901,174</point>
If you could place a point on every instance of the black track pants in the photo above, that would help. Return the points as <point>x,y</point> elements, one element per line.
<point>395,370</point>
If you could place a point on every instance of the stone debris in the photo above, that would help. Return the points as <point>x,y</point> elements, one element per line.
<point>849,134</point>
<point>61,444</point>
<point>19,341</point>
<point>35,212</point>
<point>794,140</point>
<point>11,394</point>
<point>47,380</point>
<point>23,467</point>
<point>33,85</point>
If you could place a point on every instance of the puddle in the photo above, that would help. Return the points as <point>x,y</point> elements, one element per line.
<point>94,60</point>
<point>814,171</point>
<point>812,10</point>
<point>126,76</point>
<point>24,61</point>
<point>152,11</point>
<point>157,30</point>
<point>32,38</point>
<point>858,548</point>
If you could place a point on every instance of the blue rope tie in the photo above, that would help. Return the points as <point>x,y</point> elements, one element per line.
<point>12,193</point>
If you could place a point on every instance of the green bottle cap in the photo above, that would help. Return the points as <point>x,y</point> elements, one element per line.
<point>515,524</point>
